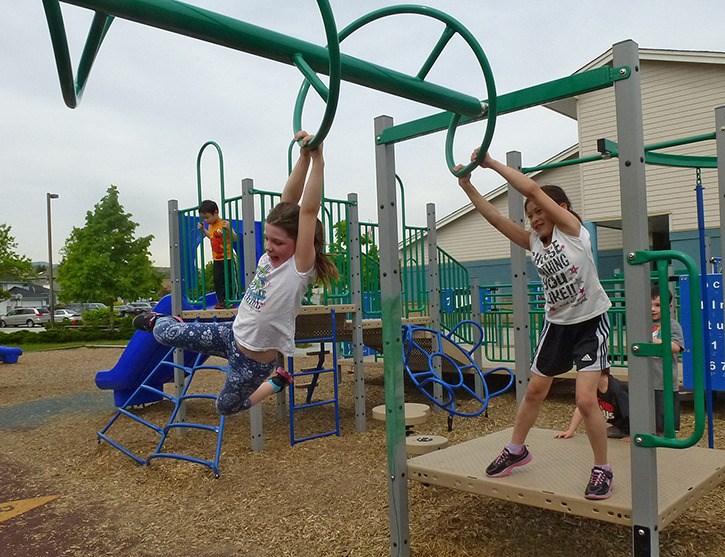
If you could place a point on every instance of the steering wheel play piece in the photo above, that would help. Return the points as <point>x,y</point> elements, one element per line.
<point>459,359</point>
<point>453,27</point>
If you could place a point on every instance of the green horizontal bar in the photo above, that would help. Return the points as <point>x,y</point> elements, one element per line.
<point>571,162</point>
<point>208,26</point>
<point>611,148</point>
<point>565,87</point>
<point>683,141</point>
<point>682,161</point>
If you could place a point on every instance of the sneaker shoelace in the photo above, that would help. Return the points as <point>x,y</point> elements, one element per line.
<point>598,477</point>
<point>503,456</point>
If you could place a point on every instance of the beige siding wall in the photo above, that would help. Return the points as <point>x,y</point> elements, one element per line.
<point>679,100</point>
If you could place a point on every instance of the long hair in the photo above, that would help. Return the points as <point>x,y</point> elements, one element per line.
<point>286,216</point>
<point>558,195</point>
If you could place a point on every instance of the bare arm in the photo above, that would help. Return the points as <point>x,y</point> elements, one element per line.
<point>576,419</point>
<point>292,191</point>
<point>506,226</point>
<point>311,198</point>
<point>206,232</point>
<point>564,219</point>
<point>228,227</point>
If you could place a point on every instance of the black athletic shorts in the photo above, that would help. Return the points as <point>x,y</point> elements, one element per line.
<point>583,345</point>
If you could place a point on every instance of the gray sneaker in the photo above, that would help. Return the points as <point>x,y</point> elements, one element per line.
<point>507,461</point>
<point>601,484</point>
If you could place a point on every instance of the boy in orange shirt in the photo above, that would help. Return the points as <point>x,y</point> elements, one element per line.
<point>222,236</point>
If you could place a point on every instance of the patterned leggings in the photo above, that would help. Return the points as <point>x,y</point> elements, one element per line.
<point>244,375</point>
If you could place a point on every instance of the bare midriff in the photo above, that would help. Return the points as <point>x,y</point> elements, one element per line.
<point>265,356</point>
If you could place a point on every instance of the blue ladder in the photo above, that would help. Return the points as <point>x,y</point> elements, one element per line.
<point>315,373</point>
<point>189,372</point>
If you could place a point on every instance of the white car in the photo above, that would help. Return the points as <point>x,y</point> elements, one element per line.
<point>25,316</point>
<point>62,314</point>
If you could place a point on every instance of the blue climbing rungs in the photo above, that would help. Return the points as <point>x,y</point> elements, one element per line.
<point>166,362</point>
<point>316,373</point>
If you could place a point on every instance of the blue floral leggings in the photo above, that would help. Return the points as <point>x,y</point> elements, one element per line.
<point>244,374</point>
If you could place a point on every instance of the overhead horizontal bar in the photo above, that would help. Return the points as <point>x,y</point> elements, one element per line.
<point>610,148</point>
<point>562,88</point>
<point>208,26</point>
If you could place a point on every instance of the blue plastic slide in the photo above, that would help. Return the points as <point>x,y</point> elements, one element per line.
<point>138,360</point>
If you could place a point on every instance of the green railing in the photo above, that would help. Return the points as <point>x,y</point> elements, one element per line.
<point>455,287</point>
<point>664,350</point>
<point>497,320</point>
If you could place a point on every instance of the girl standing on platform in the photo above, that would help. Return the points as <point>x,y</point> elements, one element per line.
<point>265,322</point>
<point>576,326</point>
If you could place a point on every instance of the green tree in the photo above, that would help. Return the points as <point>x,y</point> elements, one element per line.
<point>103,261</point>
<point>12,265</point>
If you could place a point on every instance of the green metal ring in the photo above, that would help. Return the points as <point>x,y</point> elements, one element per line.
<point>333,93</point>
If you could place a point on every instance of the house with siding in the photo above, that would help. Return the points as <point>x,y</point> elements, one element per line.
<point>680,91</point>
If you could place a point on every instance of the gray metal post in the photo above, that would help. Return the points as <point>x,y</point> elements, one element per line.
<point>176,298</point>
<point>520,279</point>
<point>256,429</point>
<point>720,147</point>
<point>476,316</point>
<point>633,195</point>
<point>434,293</point>
<point>390,288</point>
<point>353,242</point>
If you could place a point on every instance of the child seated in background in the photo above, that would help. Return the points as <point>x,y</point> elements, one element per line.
<point>613,400</point>
<point>612,394</point>
<point>655,364</point>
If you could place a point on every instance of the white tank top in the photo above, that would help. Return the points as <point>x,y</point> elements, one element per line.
<point>266,316</point>
<point>572,291</point>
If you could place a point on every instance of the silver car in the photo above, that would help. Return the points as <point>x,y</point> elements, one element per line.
<point>25,316</point>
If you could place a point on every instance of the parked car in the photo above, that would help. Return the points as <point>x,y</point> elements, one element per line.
<point>86,306</point>
<point>62,314</point>
<point>134,308</point>
<point>25,316</point>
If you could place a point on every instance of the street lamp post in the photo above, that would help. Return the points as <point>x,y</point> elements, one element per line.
<point>48,197</point>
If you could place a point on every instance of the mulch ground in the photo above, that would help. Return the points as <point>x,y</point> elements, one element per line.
<point>327,497</point>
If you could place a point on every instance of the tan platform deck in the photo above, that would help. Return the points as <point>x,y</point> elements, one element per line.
<point>556,477</point>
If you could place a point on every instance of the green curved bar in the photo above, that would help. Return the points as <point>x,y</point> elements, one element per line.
<point>331,95</point>
<point>72,89</point>
<point>221,204</point>
<point>680,161</point>
<point>661,350</point>
<point>221,172</point>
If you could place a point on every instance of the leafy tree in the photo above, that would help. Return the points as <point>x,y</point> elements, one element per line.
<point>12,264</point>
<point>103,261</point>
<point>370,256</point>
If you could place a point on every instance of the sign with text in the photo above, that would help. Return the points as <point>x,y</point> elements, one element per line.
<point>713,337</point>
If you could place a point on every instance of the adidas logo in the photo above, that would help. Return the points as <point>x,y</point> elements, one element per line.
<point>586,358</point>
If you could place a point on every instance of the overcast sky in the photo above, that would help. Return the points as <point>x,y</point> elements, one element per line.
<point>154,98</point>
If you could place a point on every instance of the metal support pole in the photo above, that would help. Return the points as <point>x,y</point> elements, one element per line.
<point>353,242</point>
<point>256,429</point>
<point>520,279</point>
<point>434,294</point>
<point>176,301</point>
<point>48,197</point>
<point>392,308</point>
<point>633,195</point>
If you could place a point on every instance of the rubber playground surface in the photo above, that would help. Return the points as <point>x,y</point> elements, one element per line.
<point>62,493</point>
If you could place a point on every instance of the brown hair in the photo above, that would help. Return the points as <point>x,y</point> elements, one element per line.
<point>286,216</point>
<point>558,195</point>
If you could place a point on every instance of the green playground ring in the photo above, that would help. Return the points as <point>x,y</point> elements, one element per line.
<point>331,94</point>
